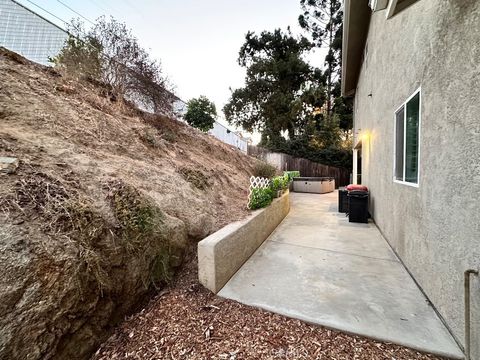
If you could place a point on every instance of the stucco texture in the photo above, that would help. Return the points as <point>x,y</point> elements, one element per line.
<point>435,228</point>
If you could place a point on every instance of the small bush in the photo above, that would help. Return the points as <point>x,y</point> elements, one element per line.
<point>169,136</point>
<point>149,139</point>
<point>280,183</point>
<point>263,169</point>
<point>195,177</point>
<point>285,182</point>
<point>80,57</point>
<point>260,198</point>
<point>140,221</point>
<point>276,183</point>
<point>291,174</point>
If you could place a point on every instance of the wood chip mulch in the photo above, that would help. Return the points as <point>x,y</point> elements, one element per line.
<point>186,321</point>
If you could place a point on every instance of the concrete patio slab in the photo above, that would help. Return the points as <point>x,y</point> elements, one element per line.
<point>318,267</point>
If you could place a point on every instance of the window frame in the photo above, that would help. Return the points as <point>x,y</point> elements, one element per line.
<point>394,7</point>
<point>404,105</point>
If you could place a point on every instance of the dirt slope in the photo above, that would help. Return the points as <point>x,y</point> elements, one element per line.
<point>100,211</point>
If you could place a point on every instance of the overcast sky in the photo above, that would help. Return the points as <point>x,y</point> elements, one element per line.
<point>197,41</point>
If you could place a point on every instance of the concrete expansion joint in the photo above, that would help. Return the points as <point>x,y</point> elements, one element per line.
<point>334,251</point>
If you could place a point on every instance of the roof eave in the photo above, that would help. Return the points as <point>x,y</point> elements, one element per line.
<point>356,19</point>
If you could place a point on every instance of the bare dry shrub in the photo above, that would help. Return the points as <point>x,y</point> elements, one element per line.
<point>149,138</point>
<point>63,211</point>
<point>167,128</point>
<point>265,170</point>
<point>195,177</point>
<point>169,136</point>
<point>81,55</point>
<point>108,51</point>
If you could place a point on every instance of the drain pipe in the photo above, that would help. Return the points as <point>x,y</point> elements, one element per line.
<point>467,310</point>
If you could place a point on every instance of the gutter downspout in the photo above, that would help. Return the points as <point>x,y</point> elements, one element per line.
<point>467,310</point>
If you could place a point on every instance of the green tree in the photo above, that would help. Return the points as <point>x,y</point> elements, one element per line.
<point>277,76</point>
<point>283,94</point>
<point>323,19</point>
<point>201,113</point>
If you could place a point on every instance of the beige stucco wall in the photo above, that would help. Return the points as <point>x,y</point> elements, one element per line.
<point>434,228</point>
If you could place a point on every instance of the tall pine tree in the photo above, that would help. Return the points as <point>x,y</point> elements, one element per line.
<point>323,20</point>
<point>280,86</point>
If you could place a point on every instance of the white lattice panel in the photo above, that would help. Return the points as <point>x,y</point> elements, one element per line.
<point>255,183</point>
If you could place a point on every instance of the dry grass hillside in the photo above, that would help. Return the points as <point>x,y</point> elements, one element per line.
<point>101,209</point>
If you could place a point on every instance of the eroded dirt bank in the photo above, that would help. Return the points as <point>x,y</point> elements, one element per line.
<point>100,210</point>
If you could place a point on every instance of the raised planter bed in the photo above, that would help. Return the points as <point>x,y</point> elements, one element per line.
<point>318,185</point>
<point>221,254</point>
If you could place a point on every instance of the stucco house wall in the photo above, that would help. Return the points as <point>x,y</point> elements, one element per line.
<point>435,227</point>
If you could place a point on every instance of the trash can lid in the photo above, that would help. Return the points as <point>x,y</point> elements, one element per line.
<point>352,187</point>
<point>358,193</point>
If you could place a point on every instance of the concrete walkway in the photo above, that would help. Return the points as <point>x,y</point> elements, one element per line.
<point>318,267</point>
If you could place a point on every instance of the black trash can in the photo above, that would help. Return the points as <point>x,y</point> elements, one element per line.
<point>342,200</point>
<point>358,206</point>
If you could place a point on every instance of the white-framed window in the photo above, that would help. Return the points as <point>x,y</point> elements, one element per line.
<point>395,6</point>
<point>407,141</point>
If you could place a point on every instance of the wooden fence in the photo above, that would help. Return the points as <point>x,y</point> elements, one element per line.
<point>306,167</point>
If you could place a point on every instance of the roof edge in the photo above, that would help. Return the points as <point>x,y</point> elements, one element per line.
<point>356,20</point>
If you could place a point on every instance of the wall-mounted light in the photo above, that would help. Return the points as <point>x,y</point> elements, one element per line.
<point>364,135</point>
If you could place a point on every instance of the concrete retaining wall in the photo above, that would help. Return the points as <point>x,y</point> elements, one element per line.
<point>221,254</point>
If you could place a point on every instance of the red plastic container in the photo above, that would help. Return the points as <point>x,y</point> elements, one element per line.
<point>352,187</point>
